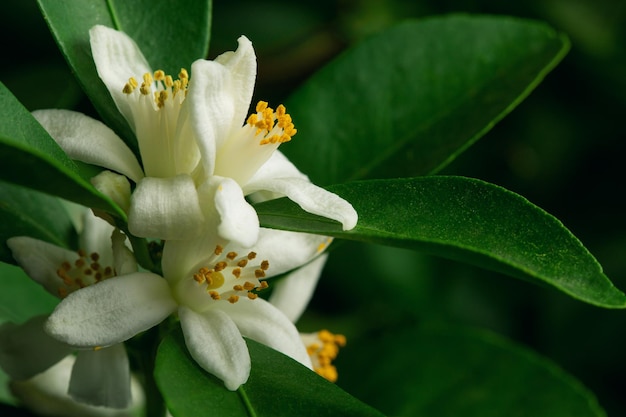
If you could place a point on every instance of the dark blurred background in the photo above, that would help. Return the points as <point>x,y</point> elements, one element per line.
<point>561,149</point>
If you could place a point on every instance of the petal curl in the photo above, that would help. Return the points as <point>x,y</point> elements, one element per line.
<point>26,350</point>
<point>288,250</point>
<point>309,197</point>
<point>111,311</point>
<point>239,222</point>
<point>219,97</point>
<point>40,260</point>
<point>117,58</point>
<point>215,343</point>
<point>261,321</point>
<point>165,208</point>
<point>292,294</point>
<point>101,377</point>
<point>88,140</point>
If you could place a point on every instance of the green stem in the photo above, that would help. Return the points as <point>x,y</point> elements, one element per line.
<point>246,401</point>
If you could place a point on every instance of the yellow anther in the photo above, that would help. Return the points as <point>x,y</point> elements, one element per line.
<point>259,273</point>
<point>231,255</point>
<point>199,278</point>
<point>242,263</point>
<point>265,265</point>
<point>169,81</point>
<point>252,119</point>
<point>233,299</point>
<point>159,75</point>
<point>147,78</point>
<point>263,285</point>
<point>251,255</point>
<point>214,295</point>
<point>249,286</point>
<point>218,250</point>
<point>220,266</point>
<point>237,288</point>
<point>261,106</point>
<point>236,272</point>
<point>281,111</point>
<point>183,74</point>
<point>252,296</point>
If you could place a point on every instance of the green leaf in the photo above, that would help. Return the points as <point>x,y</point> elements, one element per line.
<point>438,370</point>
<point>170,36</point>
<point>20,297</point>
<point>409,100</point>
<point>25,212</point>
<point>278,386</point>
<point>466,220</point>
<point>30,157</point>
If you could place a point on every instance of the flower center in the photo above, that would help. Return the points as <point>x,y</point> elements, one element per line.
<point>232,276</point>
<point>85,271</point>
<point>242,154</point>
<point>323,348</point>
<point>166,146</point>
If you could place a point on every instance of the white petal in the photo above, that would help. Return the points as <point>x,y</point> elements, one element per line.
<point>288,250</point>
<point>101,377</point>
<point>117,58</point>
<point>124,260</point>
<point>278,166</point>
<point>26,350</point>
<point>261,321</point>
<point>88,140</point>
<point>114,186</point>
<point>292,294</point>
<point>311,198</point>
<point>239,222</point>
<point>242,66</point>
<point>215,343</point>
<point>165,208</point>
<point>219,97</point>
<point>41,260</point>
<point>111,311</point>
<point>46,395</point>
<point>96,237</point>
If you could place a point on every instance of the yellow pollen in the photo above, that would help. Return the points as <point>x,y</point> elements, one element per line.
<point>261,105</point>
<point>236,272</point>
<point>251,255</point>
<point>259,273</point>
<point>214,295</point>
<point>324,351</point>
<point>218,250</point>
<point>265,265</point>
<point>159,75</point>
<point>249,286</point>
<point>263,285</point>
<point>199,278</point>
<point>233,299</point>
<point>220,266</point>
<point>242,263</point>
<point>237,288</point>
<point>252,296</point>
<point>231,255</point>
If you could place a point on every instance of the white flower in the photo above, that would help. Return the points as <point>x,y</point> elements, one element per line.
<point>99,377</point>
<point>192,133</point>
<point>212,285</point>
<point>45,394</point>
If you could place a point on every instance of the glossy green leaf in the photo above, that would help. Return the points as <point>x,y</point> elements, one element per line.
<point>466,220</point>
<point>171,35</point>
<point>409,100</point>
<point>20,297</point>
<point>31,158</point>
<point>25,212</point>
<point>444,371</point>
<point>278,386</point>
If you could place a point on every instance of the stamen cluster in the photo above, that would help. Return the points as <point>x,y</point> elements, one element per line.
<point>84,271</point>
<point>232,276</point>
<point>323,348</point>
<point>275,126</point>
<point>164,86</point>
